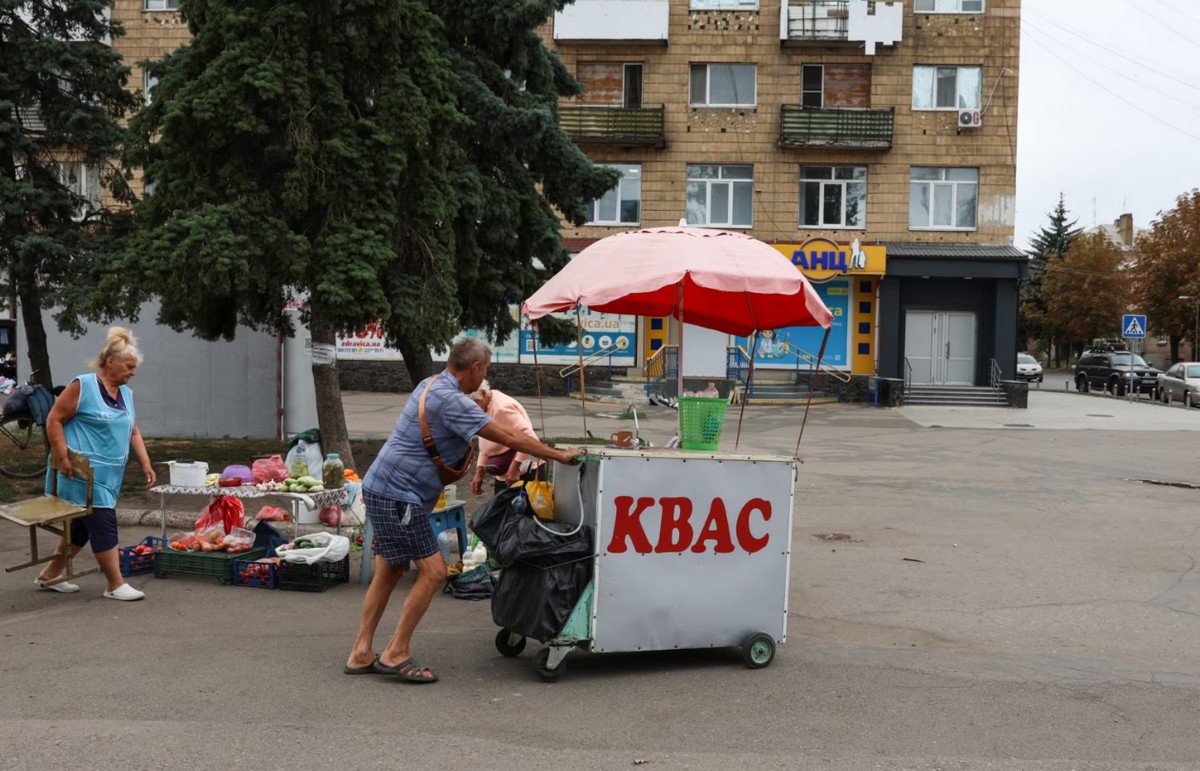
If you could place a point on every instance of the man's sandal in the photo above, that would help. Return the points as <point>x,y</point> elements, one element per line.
<point>368,669</point>
<point>407,670</point>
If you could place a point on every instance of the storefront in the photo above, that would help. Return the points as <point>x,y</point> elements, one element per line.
<point>946,311</point>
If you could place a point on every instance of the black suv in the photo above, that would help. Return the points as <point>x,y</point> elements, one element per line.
<point>1114,369</point>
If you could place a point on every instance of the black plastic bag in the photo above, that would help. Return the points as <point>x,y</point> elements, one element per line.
<point>511,533</point>
<point>535,601</point>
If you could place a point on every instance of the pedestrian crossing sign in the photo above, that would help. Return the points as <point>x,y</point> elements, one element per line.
<point>1133,325</point>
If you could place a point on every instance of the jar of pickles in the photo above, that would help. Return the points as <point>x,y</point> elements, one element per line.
<point>333,471</point>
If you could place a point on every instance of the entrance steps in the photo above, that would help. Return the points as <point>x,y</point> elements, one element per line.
<point>962,396</point>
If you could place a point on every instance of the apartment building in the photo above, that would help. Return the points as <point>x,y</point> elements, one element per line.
<point>872,143</point>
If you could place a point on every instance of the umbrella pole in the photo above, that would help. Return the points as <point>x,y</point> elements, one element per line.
<point>808,405</point>
<point>679,354</point>
<point>746,396</point>
<point>582,376</point>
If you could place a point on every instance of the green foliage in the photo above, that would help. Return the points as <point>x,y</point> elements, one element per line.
<point>1049,243</point>
<point>62,94</point>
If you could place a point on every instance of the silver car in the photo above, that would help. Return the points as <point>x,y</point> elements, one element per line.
<point>1028,368</point>
<point>1180,383</point>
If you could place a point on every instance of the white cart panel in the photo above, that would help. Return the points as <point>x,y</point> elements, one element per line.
<point>693,551</point>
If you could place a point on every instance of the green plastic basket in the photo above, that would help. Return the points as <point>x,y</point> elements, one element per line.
<point>701,420</point>
<point>217,564</point>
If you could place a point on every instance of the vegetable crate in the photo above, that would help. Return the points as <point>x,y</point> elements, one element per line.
<point>218,564</point>
<point>316,577</point>
<point>134,564</point>
<point>258,573</point>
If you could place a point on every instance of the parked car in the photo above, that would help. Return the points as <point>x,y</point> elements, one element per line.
<point>1028,368</point>
<point>1181,383</point>
<point>1116,370</point>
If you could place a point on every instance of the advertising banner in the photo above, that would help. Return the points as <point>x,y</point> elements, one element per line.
<point>782,348</point>
<point>601,332</point>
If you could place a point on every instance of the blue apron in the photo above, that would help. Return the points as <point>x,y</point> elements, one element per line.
<point>101,434</point>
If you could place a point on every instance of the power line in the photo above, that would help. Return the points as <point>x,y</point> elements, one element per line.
<point>1163,24</point>
<point>1112,93</point>
<point>1109,49</point>
<point>1031,28</point>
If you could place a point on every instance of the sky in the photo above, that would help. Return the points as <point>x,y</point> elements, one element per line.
<point>1109,109</point>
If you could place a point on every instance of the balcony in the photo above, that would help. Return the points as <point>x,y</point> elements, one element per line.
<point>613,21</point>
<point>841,23</point>
<point>594,125</point>
<point>835,128</point>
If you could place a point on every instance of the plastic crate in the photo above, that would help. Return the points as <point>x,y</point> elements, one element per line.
<point>257,573</point>
<point>137,564</point>
<point>317,577</point>
<point>701,420</point>
<point>218,564</point>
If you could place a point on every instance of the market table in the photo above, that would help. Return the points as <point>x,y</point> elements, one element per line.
<point>54,515</point>
<point>318,500</point>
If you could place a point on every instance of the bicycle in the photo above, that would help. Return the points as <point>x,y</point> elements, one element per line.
<point>27,452</point>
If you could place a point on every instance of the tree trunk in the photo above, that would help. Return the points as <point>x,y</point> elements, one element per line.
<point>1174,348</point>
<point>331,417</point>
<point>35,332</point>
<point>417,360</point>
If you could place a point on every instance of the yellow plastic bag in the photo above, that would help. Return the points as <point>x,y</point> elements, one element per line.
<point>541,498</point>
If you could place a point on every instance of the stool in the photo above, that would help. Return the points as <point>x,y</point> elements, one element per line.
<point>452,517</point>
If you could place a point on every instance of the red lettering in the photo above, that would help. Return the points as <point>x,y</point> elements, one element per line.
<point>675,532</point>
<point>628,525</point>
<point>746,539</point>
<point>715,529</point>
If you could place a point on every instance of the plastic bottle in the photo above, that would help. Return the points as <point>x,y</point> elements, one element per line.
<point>333,471</point>
<point>443,539</point>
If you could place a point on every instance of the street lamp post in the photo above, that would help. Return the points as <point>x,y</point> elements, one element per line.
<point>1196,329</point>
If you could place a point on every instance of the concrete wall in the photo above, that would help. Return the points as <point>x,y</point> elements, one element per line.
<point>186,386</point>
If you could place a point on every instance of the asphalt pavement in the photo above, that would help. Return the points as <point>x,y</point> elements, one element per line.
<point>971,588</point>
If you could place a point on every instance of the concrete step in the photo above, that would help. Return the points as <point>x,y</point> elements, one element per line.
<point>966,396</point>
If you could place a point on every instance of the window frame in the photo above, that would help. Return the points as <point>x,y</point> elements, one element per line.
<point>804,91</point>
<point>87,178</point>
<point>159,6</point>
<point>723,5</point>
<point>733,184</point>
<point>832,181</point>
<point>594,204</point>
<point>626,67</point>
<point>943,181</point>
<point>708,103</point>
<point>958,6</point>
<point>958,68</point>
<point>149,83</point>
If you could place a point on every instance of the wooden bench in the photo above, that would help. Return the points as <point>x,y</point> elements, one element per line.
<point>54,515</point>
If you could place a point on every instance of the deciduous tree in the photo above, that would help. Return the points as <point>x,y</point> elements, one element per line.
<point>1086,290</point>
<point>1168,267</point>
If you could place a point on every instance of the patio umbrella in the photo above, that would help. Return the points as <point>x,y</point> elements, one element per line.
<point>716,279</point>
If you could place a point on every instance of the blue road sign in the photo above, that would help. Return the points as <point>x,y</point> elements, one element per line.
<point>1133,325</point>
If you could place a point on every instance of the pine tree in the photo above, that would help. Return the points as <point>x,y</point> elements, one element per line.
<point>1047,245</point>
<point>349,152</point>
<point>62,94</point>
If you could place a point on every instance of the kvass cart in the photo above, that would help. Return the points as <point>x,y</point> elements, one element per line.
<point>679,548</point>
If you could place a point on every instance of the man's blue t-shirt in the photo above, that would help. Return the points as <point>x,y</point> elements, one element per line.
<point>403,470</point>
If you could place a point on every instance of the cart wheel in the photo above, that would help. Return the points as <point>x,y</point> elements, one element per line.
<point>544,672</point>
<point>505,644</point>
<point>758,650</point>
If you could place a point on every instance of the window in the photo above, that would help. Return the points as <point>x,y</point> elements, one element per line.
<point>947,88</point>
<point>812,85</point>
<point>720,196</point>
<point>84,182</point>
<point>942,198</point>
<point>161,5</point>
<point>610,84</point>
<point>833,196</point>
<point>623,204</point>
<point>149,82</point>
<point>632,91</point>
<point>723,85</point>
<point>724,5</point>
<point>948,6</point>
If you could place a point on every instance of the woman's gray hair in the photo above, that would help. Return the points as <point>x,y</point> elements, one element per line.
<point>483,390</point>
<point>466,351</point>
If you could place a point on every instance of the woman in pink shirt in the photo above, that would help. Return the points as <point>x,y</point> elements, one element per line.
<point>503,463</point>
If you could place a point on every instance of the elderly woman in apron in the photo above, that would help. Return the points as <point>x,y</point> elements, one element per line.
<point>94,417</point>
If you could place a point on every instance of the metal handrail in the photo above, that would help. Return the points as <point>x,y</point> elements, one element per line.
<point>662,365</point>
<point>908,374</point>
<point>996,375</point>
<point>803,355</point>
<point>575,367</point>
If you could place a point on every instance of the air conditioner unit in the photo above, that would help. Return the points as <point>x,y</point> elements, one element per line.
<point>970,119</point>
